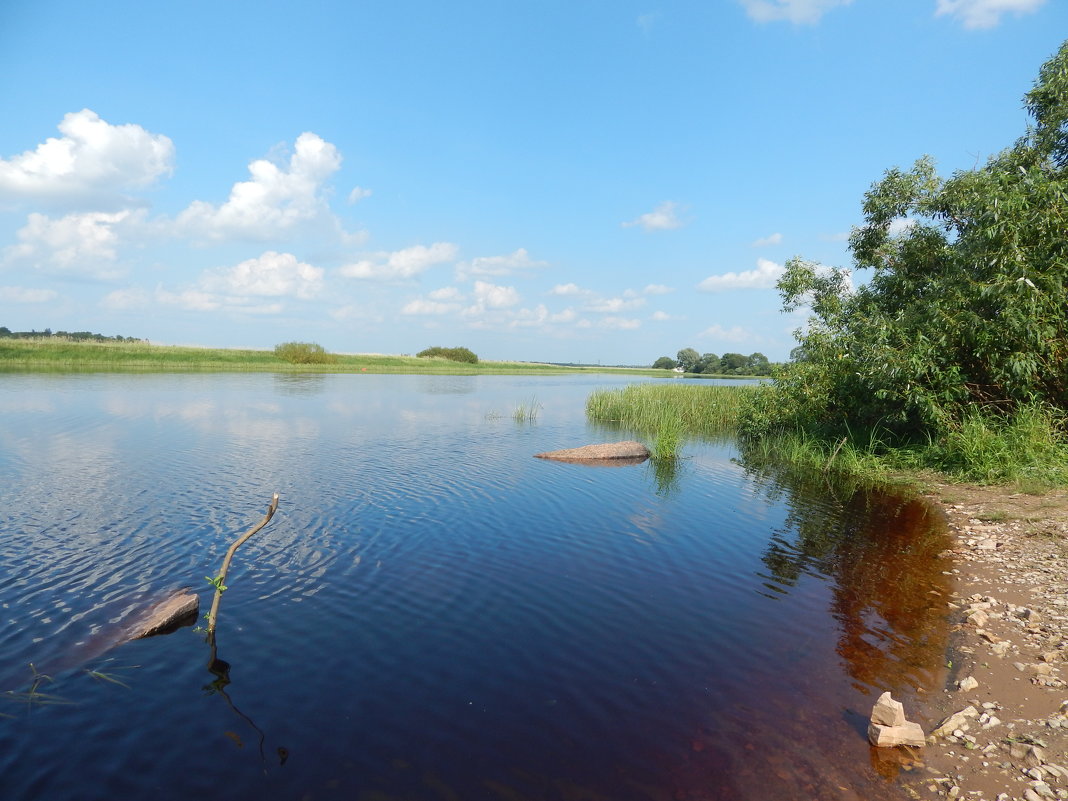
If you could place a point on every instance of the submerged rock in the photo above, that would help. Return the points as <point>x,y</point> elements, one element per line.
<point>889,727</point>
<point>614,453</point>
<point>179,610</point>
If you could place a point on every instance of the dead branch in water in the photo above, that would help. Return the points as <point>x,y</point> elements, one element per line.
<point>219,580</point>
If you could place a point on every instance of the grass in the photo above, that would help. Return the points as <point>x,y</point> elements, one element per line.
<point>652,407</point>
<point>527,412</point>
<point>54,354</point>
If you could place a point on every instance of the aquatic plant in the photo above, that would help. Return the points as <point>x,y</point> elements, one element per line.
<point>648,407</point>
<point>527,412</point>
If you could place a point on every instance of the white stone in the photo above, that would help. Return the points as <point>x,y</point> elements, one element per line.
<point>888,712</point>
<point>967,683</point>
<point>890,736</point>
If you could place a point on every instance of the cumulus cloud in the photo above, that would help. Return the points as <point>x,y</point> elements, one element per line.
<point>270,274</point>
<point>900,225</point>
<point>21,294</point>
<point>401,264</point>
<point>568,290</point>
<point>767,241</point>
<point>83,244</point>
<point>273,201</point>
<point>194,299</point>
<point>975,14</point>
<point>733,334</point>
<point>128,298</point>
<point>796,11</point>
<point>446,293</point>
<point>657,289</point>
<point>492,296</point>
<point>662,218</point>
<point>660,316</point>
<point>613,305</point>
<point>421,307</point>
<point>91,160</point>
<point>766,274</point>
<point>484,266</point>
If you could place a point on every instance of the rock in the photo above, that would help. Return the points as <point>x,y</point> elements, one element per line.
<point>628,452</point>
<point>889,736</point>
<point>968,683</point>
<point>958,720</point>
<point>978,618</point>
<point>889,728</point>
<point>1030,755</point>
<point>888,712</point>
<point>178,610</point>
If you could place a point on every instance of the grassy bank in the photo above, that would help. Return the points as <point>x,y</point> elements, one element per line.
<point>60,355</point>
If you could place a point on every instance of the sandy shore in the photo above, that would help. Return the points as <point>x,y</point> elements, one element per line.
<point>1008,659</point>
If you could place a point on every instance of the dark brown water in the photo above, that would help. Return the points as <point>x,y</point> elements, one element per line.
<point>434,614</point>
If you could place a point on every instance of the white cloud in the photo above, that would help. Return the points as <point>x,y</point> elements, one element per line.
<point>620,323</point>
<point>401,264</point>
<point>424,307</point>
<point>976,14</point>
<point>446,293</point>
<point>274,200</point>
<point>613,305</point>
<point>92,159</point>
<point>657,289</point>
<point>84,244</point>
<point>21,294</point>
<point>662,218</point>
<point>200,300</point>
<point>842,236</point>
<point>568,290</point>
<point>518,261</point>
<point>900,225</point>
<point>733,334</point>
<point>660,316</point>
<point>129,298</point>
<point>491,296</point>
<point>763,277</point>
<point>358,193</point>
<point>796,11</point>
<point>767,241</point>
<point>270,274</point>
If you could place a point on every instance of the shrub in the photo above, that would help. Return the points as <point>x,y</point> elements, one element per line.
<point>303,353</point>
<point>453,354</point>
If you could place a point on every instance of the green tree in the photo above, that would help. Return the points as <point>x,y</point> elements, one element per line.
<point>732,363</point>
<point>708,363</point>
<point>688,358</point>
<point>664,363</point>
<point>964,310</point>
<point>757,364</point>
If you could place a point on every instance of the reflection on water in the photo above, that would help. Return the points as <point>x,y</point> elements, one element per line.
<point>434,613</point>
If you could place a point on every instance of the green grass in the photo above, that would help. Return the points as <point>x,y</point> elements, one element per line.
<point>651,407</point>
<point>527,412</point>
<point>56,355</point>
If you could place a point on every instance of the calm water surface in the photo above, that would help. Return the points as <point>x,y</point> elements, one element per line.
<point>434,614</point>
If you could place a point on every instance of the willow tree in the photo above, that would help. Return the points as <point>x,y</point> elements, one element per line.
<point>967,305</point>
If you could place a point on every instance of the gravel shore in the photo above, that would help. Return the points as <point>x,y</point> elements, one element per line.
<point>1008,658</point>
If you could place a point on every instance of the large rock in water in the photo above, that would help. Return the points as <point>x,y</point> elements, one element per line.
<point>612,453</point>
<point>178,610</point>
<point>889,727</point>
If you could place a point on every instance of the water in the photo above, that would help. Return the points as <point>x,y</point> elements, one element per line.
<point>434,614</point>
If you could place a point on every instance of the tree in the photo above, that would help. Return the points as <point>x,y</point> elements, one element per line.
<point>964,310</point>
<point>732,362</point>
<point>664,363</point>
<point>688,358</point>
<point>708,363</point>
<point>757,364</point>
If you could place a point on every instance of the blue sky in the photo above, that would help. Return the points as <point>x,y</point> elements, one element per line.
<point>549,181</point>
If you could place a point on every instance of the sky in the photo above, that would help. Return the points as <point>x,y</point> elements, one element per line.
<point>590,181</point>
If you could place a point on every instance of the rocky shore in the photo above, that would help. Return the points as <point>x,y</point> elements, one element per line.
<point>1004,712</point>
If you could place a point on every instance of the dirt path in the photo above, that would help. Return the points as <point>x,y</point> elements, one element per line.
<point>1010,616</point>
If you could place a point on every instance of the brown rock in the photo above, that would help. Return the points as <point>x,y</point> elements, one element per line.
<point>178,610</point>
<point>629,452</point>
<point>958,720</point>
<point>890,736</point>
<point>888,712</point>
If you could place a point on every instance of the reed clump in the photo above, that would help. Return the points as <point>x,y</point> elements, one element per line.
<point>652,407</point>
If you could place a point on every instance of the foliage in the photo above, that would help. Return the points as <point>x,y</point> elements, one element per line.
<point>710,364</point>
<point>664,363</point>
<point>962,322</point>
<point>452,354</point>
<point>72,336</point>
<point>687,359</point>
<point>303,353</point>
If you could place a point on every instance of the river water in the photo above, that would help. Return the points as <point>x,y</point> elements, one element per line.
<point>433,613</point>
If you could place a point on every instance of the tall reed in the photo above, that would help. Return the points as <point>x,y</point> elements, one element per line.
<point>649,407</point>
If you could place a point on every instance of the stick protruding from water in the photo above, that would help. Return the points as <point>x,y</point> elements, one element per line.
<point>219,580</point>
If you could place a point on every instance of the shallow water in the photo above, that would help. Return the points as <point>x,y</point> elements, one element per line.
<point>434,614</point>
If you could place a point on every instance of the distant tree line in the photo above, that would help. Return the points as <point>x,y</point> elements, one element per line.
<point>78,336</point>
<point>709,363</point>
<point>464,355</point>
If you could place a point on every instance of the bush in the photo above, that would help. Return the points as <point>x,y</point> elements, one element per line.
<point>303,353</point>
<point>452,354</point>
